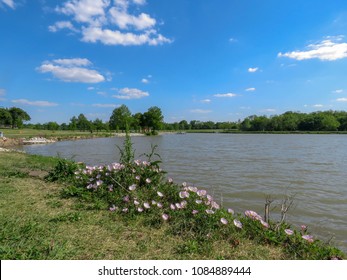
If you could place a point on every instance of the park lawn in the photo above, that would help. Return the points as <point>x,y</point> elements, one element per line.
<point>38,223</point>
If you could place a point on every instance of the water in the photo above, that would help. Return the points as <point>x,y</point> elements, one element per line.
<point>242,170</point>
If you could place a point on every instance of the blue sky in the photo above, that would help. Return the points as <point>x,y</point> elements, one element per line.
<point>219,60</point>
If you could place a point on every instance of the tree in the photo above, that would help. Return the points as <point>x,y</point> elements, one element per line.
<point>82,123</point>
<point>137,121</point>
<point>98,125</point>
<point>52,126</point>
<point>120,118</point>
<point>5,117</point>
<point>18,116</point>
<point>73,123</point>
<point>153,119</point>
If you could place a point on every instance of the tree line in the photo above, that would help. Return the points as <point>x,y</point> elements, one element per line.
<point>121,118</point>
<point>153,120</point>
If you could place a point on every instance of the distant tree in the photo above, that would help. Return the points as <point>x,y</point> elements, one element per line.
<point>82,123</point>
<point>5,117</point>
<point>52,126</point>
<point>184,125</point>
<point>137,121</point>
<point>98,125</point>
<point>18,116</point>
<point>64,126</point>
<point>153,119</point>
<point>73,123</point>
<point>120,118</point>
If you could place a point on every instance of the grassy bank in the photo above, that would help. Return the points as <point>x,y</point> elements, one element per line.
<point>60,220</point>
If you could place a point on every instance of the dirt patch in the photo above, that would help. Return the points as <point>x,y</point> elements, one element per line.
<point>10,142</point>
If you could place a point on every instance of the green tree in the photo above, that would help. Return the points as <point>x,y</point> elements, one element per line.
<point>18,116</point>
<point>153,119</point>
<point>52,126</point>
<point>98,125</point>
<point>5,117</point>
<point>73,123</point>
<point>82,123</point>
<point>120,118</point>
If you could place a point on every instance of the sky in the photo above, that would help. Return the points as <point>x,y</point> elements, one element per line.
<point>218,60</point>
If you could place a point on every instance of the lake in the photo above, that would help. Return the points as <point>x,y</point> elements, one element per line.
<point>241,170</point>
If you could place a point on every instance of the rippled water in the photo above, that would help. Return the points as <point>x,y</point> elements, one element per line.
<point>242,170</point>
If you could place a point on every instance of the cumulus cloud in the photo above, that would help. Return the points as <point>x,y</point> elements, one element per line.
<point>34,103</point>
<point>343,99</point>
<point>9,3</point>
<point>225,95</point>
<point>72,70</point>
<point>326,50</point>
<point>110,22</point>
<point>130,93</point>
<point>115,37</point>
<point>62,25</point>
<point>252,70</point>
<point>200,111</point>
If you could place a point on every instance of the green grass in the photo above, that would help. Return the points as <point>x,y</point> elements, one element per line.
<point>37,222</point>
<point>59,134</point>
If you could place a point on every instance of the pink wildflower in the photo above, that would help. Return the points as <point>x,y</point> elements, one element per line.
<point>198,201</point>
<point>126,198</point>
<point>289,231</point>
<point>148,181</point>
<point>125,210</point>
<point>303,228</point>
<point>159,205</point>
<point>173,207</point>
<point>160,194</point>
<point>195,212</point>
<point>309,238</point>
<point>215,205</point>
<point>170,180</point>
<point>224,221</point>
<point>193,189</point>
<point>253,215</point>
<point>165,217</point>
<point>113,208</point>
<point>209,211</point>
<point>230,211</point>
<point>237,223</point>
<point>132,187</point>
<point>183,194</point>
<point>201,193</point>
<point>265,224</point>
<point>138,178</point>
<point>146,205</point>
<point>140,209</point>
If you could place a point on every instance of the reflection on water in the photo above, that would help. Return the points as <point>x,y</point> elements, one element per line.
<point>242,170</point>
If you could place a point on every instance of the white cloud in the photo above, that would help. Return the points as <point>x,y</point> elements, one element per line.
<point>105,105</point>
<point>73,61</point>
<point>200,111</point>
<point>102,21</point>
<point>145,81</point>
<point>124,20</point>
<point>252,70</point>
<point>338,91</point>
<point>329,49</point>
<point>72,70</point>
<point>233,40</point>
<point>102,93</point>
<point>115,37</point>
<point>343,99</point>
<point>130,93</point>
<point>34,103</point>
<point>250,89</point>
<point>2,91</point>
<point>317,105</point>
<point>205,101</point>
<point>62,25</point>
<point>269,110</point>
<point>9,3</point>
<point>86,11</point>
<point>90,88</point>
<point>225,95</point>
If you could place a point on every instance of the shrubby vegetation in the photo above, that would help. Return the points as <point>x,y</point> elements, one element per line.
<point>134,188</point>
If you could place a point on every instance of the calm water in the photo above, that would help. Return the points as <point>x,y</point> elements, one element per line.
<point>242,170</point>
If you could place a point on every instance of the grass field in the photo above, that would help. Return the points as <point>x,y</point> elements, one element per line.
<point>37,223</point>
